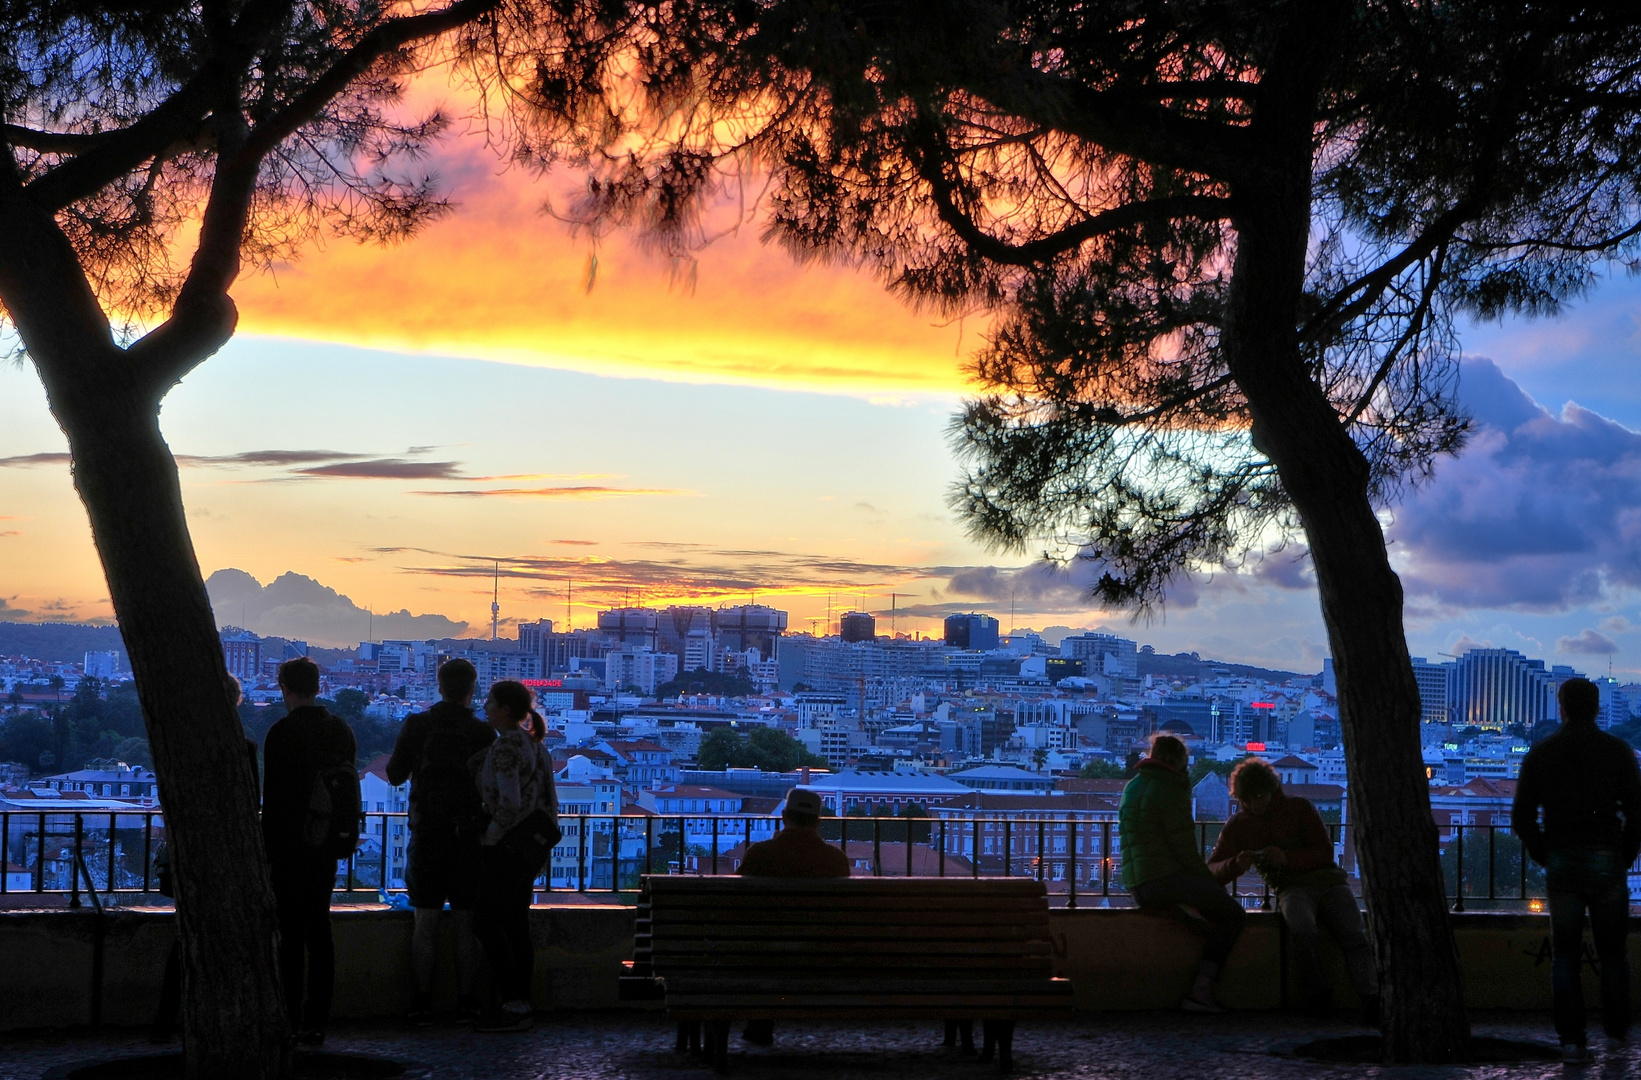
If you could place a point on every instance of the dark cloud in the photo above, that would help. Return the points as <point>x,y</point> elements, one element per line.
<point>11,532</point>
<point>1587,643</point>
<point>387,469</point>
<point>7,611</point>
<point>24,461</point>
<point>1289,568</point>
<point>285,458</point>
<point>1541,512</point>
<point>576,491</point>
<point>299,607</point>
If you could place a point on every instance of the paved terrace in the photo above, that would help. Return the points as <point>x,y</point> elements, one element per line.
<point>639,1046</point>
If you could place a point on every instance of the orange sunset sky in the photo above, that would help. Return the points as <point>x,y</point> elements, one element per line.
<point>390,422</point>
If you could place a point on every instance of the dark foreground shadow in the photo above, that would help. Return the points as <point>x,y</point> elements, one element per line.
<point>318,1065</point>
<point>1369,1050</point>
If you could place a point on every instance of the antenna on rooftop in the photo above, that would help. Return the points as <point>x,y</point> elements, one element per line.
<point>892,613</point>
<point>569,592</point>
<point>495,601</point>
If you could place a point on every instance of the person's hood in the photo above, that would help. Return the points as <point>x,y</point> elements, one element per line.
<point>1162,768</point>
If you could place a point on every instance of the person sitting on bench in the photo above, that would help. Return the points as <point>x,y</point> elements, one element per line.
<point>797,851</point>
<point>1284,838</point>
<point>1162,867</point>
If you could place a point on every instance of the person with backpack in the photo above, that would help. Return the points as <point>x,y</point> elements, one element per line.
<point>515,778</point>
<point>310,819</point>
<point>446,819</point>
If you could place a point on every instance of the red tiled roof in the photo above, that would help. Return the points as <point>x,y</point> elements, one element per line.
<point>377,768</point>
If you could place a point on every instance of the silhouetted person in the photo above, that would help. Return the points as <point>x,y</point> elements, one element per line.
<point>164,1027</point>
<point>1588,787</point>
<point>797,851</point>
<point>306,750</point>
<point>1284,837</point>
<point>446,820</point>
<point>515,778</point>
<point>1162,867</point>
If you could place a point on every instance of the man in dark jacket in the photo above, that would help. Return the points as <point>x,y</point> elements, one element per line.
<point>446,820</point>
<point>1588,787</point>
<point>1284,838</point>
<point>797,851</point>
<point>301,746</point>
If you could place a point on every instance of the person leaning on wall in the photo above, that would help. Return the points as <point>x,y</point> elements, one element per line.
<point>1162,867</point>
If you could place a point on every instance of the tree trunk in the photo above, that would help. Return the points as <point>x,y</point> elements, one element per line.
<point>1326,476</point>
<point>233,1019</point>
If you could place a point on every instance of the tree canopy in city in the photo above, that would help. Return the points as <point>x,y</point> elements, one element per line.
<point>1224,247</point>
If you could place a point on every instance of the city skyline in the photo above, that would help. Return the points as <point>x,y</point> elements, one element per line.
<point>749,428</point>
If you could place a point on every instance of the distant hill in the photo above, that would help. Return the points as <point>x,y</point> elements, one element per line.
<point>1185,665</point>
<point>60,642</point>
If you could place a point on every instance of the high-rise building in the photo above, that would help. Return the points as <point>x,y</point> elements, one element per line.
<point>971,631</point>
<point>533,636</point>
<point>750,626</point>
<point>1104,654</point>
<point>857,626</point>
<point>242,652</point>
<point>687,633</point>
<point>632,626</point>
<point>1432,680</point>
<point>101,665</point>
<point>1500,688</point>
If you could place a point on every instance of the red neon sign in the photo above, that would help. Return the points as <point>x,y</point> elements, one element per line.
<point>544,684</point>
<point>1256,747</point>
<point>1261,705</point>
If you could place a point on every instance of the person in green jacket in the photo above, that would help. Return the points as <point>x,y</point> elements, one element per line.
<point>1162,867</point>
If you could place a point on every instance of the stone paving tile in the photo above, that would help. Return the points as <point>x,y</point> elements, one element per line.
<point>636,1046</point>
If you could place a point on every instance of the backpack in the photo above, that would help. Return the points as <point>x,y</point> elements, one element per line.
<point>331,825</point>
<point>446,798</point>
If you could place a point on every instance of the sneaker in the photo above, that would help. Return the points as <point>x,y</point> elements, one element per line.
<point>468,1008</point>
<point>1574,1054</point>
<point>504,1020</point>
<point>310,1037</point>
<point>1194,1004</point>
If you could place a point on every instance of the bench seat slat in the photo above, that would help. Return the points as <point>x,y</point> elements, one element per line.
<point>782,988</point>
<point>874,931</point>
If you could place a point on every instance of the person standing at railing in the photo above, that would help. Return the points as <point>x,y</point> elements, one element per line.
<point>515,778</point>
<point>1588,787</point>
<point>1283,837</point>
<point>446,820</point>
<point>1163,868</point>
<point>310,820</point>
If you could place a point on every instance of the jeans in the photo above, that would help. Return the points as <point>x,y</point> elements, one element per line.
<point>302,899</point>
<point>1593,878</point>
<point>1224,915</point>
<point>501,919</point>
<point>1308,910</point>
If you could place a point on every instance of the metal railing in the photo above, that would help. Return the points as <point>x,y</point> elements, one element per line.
<point>110,854</point>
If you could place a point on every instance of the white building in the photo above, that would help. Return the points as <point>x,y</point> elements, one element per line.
<point>640,666</point>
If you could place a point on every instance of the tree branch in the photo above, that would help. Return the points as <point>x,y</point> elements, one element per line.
<point>53,142</point>
<point>204,316</point>
<point>1034,252</point>
<point>1127,124</point>
<point>385,38</point>
<point>180,118</point>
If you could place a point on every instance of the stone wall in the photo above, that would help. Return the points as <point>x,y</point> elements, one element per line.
<point>1116,958</point>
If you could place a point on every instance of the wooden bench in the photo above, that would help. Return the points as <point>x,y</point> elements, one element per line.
<point>719,949</point>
